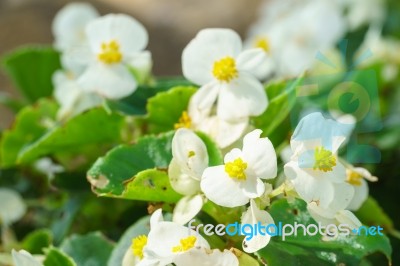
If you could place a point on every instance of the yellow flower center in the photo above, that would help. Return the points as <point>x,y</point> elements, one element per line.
<point>138,243</point>
<point>184,121</point>
<point>262,43</point>
<point>354,178</point>
<point>110,53</point>
<point>185,244</point>
<point>324,159</point>
<point>236,169</point>
<point>225,69</point>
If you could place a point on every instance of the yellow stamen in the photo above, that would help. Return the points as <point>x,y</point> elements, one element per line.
<point>185,244</point>
<point>225,69</point>
<point>184,121</point>
<point>236,169</point>
<point>110,53</point>
<point>353,178</point>
<point>324,159</point>
<point>191,154</point>
<point>138,243</point>
<point>262,43</point>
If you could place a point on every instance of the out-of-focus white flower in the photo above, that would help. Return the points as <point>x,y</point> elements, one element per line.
<point>239,179</point>
<point>356,177</point>
<point>69,25</point>
<point>72,98</point>
<point>47,167</point>
<point>335,212</point>
<point>189,160</point>
<point>24,258</point>
<point>206,257</point>
<point>314,167</point>
<point>363,12</point>
<point>214,60</point>
<point>12,208</point>
<point>114,41</point>
<point>252,216</point>
<point>292,50</point>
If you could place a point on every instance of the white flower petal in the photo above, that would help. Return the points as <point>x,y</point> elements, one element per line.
<point>156,218</point>
<point>360,195</point>
<point>69,24</point>
<point>323,216</point>
<point>251,60</point>
<point>187,208</point>
<point>232,155</point>
<point>252,187</point>
<point>347,217</point>
<point>260,155</point>
<point>208,46</point>
<point>221,189</point>
<point>190,152</point>
<point>181,181</point>
<point>109,81</point>
<point>202,101</point>
<point>24,258</point>
<point>202,257</point>
<point>126,31</point>
<point>129,259</point>
<point>308,187</point>
<point>13,207</point>
<point>240,98</point>
<point>343,195</point>
<point>253,215</point>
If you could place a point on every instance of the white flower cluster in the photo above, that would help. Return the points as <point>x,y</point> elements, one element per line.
<point>293,32</point>
<point>100,57</point>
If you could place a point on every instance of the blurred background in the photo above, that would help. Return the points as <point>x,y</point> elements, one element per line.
<point>171,25</point>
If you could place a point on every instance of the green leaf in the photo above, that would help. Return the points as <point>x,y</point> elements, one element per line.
<point>29,126</point>
<point>150,185</point>
<point>312,250</point>
<point>135,104</point>
<point>166,108</point>
<point>94,127</point>
<point>55,257</point>
<point>31,69</point>
<point>89,249</point>
<point>371,213</point>
<point>37,240</point>
<point>109,173</point>
<point>141,227</point>
<point>245,259</point>
<point>282,101</point>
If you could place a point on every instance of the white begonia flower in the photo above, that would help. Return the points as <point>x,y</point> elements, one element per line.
<point>239,179</point>
<point>69,25</point>
<point>363,12</point>
<point>114,41</point>
<point>356,177</point>
<point>294,51</point>
<point>252,216</point>
<point>214,60</point>
<point>189,159</point>
<point>134,254</point>
<point>13,207</point>
<point>46,166</point>
<point>72,98</point>
<point>314,167</point>
<point>335,212</point>
<point>167,240</point>
<point>24,258</point>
